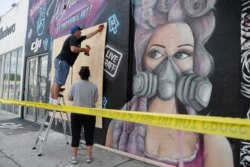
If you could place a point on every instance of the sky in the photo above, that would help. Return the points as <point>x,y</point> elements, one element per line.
<point>5,5</point>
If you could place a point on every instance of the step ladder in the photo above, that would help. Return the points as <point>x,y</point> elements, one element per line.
<point>46,125</point>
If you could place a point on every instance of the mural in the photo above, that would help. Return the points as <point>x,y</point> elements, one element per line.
<point>70,12</point>
<point>112,61</point>
<point>245,74</point>
<point>159,55</point>
<point>38,39</point>
<point>172,69</point>
<point>48,20</point>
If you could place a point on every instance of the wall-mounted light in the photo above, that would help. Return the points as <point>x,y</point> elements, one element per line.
<point>13,5</point>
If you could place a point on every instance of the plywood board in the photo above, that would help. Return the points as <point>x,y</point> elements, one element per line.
<point>94,61</point>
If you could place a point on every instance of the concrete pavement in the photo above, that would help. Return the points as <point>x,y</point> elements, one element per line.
<point>17,137</point>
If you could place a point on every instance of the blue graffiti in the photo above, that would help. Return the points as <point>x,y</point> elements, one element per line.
<point>45,43</point>
<point>104,102</point>
<point>41,20</point>
<point>113,23</point>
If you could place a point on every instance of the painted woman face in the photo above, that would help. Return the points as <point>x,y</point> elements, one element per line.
<point>172,40</point>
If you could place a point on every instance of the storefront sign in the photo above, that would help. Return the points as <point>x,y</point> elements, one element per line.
<point>36,45</point>
<point>7,31</point>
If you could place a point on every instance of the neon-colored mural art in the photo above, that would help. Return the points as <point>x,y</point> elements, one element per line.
<point>172,69</point>
<point>113,23</point>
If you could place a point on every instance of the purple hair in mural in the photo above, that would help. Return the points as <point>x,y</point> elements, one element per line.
<point>172,67</point>
<point>68,13</point>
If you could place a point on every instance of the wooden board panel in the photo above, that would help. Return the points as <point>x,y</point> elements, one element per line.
<point>94,61</point>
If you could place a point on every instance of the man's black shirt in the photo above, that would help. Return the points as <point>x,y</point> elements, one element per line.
<point>66,54</point>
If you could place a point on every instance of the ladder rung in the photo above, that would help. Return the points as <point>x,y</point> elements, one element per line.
<point>46,126</point>
<point>41,138</point>
<point>60,95</point>
<point>46,123</point>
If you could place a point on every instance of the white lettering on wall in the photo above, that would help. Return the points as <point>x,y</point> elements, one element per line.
<point>36,45</point>
<point>112,61</point>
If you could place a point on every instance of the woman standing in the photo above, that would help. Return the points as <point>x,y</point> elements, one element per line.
<point>85,94</point>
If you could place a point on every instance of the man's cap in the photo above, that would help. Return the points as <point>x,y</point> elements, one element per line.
<point>74,28</point>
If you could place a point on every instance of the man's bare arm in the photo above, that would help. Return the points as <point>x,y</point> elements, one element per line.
<point>95,32</point>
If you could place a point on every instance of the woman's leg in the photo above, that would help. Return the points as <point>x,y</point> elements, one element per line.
<point>74,151</point>
<point>89,150</point>
<point>76,126</point>
<point>89,128</point>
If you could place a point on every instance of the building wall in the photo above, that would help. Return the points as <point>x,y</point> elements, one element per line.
<point>209,47</point>
<point>12,41</point>
<point>38,39</point>
<point>15,22</point>
<point>130,27</point>
<point>58,17</point>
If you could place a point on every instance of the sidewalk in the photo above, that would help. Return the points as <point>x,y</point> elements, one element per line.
<point>17,137</point>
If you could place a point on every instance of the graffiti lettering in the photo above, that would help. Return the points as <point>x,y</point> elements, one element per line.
<point>113,24</point>
<point>45,43</point>
<point>75,18</point>
<point>110,65</point>
<point>112,61</point>
<point>36,7</point>
<point>41,20</point>
<point>86,11</point>
<point>71,3</point>
<point>104,102</point>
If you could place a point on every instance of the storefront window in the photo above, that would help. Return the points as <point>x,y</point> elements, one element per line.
<point>43,78</point>
<point>18,74</point>
<point>6,76</point>
<point>10,77</point>
<point>1,75</point>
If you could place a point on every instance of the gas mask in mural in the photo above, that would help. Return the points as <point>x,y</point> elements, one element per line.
<point>167,81</point>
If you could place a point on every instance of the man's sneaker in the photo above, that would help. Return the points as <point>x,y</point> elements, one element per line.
<point>89,159</point>
<point>73,160</point>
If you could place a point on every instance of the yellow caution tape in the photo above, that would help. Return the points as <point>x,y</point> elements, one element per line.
<point>229,127</point>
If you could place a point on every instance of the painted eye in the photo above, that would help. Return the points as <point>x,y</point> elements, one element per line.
<point>155,54</point>
<point>181,55</point>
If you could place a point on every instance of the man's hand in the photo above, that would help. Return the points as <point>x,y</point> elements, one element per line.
<point>86,50</point>
<point>100,28</point>
<point>78,50</point>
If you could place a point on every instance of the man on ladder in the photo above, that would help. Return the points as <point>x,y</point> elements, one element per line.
<point>70,51</point>
<point>67,57</point>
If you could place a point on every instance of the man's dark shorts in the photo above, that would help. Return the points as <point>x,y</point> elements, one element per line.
<point>61,71</point>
